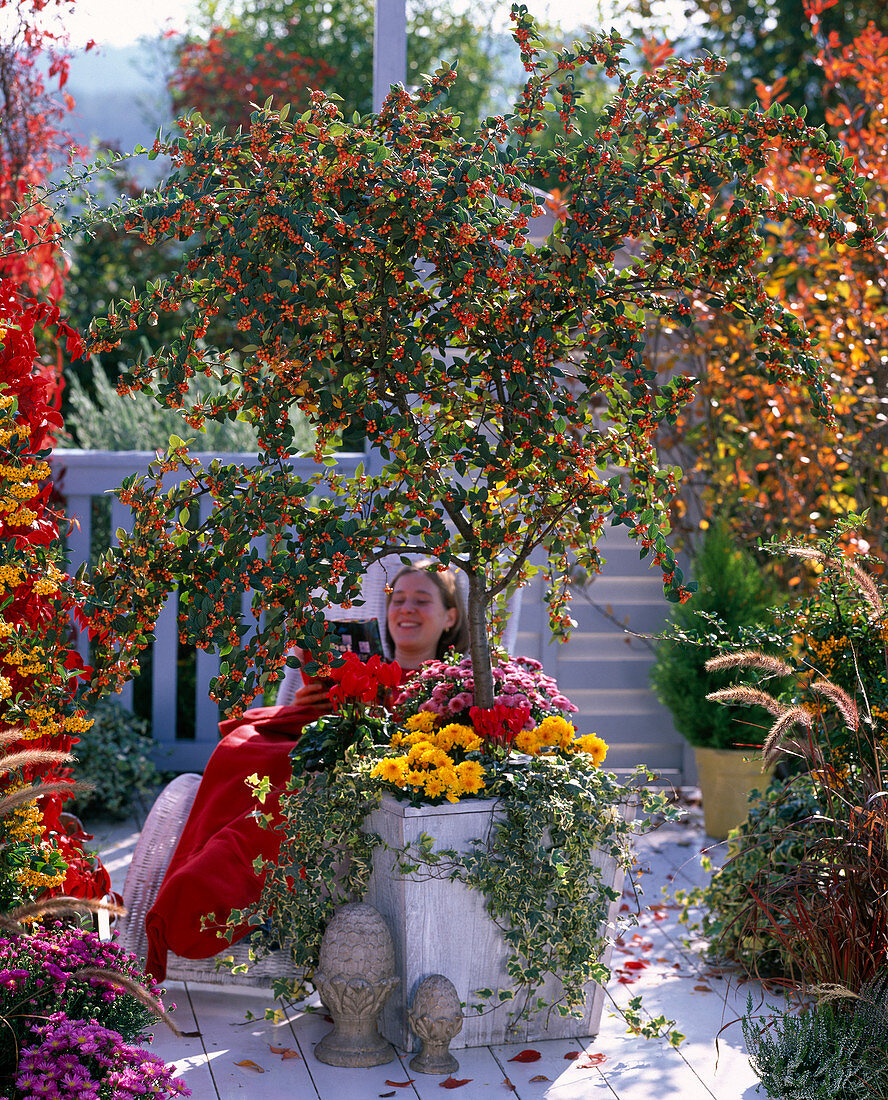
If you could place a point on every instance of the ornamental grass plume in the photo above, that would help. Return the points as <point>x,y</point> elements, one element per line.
<point>806,884</point>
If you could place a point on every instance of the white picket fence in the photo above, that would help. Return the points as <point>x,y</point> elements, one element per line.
<point>603,669</point>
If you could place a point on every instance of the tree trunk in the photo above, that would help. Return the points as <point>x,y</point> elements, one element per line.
<point>479,642</point>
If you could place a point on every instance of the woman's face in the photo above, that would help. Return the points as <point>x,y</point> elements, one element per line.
<point>417,617</point>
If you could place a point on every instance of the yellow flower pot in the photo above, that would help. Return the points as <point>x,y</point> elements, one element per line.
<point>726,778</point>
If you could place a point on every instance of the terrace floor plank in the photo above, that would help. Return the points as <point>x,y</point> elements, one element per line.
<point>673,979</point>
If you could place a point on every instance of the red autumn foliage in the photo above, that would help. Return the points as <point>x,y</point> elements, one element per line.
<point>764,462</point>
<point>224,76</point>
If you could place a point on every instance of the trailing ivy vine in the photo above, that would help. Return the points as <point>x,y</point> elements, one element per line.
<point>546,870</point>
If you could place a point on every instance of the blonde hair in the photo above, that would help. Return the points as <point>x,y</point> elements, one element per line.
<point>456,636</point>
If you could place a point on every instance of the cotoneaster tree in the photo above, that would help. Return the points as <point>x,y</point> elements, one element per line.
<point>382,272</point>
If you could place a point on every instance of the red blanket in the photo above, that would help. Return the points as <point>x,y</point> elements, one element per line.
<point>212,867</point>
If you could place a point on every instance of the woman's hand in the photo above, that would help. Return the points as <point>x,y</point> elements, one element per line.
<point>313,693</point>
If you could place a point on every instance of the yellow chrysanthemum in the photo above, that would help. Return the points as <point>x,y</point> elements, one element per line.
<point>471,776</point>
<point>527,741</point>
<point>447,775</point>
<point>415,778</point>
<point>391,770</point>
<point>555,730</point>
<point>420,752</point>
<point>456,734</point>
<point>423,722</point>
<point>433,785</point>
<point>594,746</point>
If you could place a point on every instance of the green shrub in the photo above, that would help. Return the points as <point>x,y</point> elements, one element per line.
<point>736,591</point>
<point>110,422</point>
<point>114,756</point>
<point>834,1050</point>
<point>764,854</point>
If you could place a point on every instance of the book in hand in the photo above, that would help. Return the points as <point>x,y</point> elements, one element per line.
<point>358,636</point>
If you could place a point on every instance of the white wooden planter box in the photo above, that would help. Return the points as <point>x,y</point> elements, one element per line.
<point>442,927</point>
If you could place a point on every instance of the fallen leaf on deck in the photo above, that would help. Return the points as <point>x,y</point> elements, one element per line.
<point>383,1094</point>
<point>247,1064</point>
<point>572,1055</point>
<point>284,1052</point>
<point>636,964</point>
<point>452,1083</point>
<point>329,1019</point>
<point>594,1060</point>
<point>526,1056</point>
<point>401,1084</point>
<point>627,979</point>
<point>703,988</point>
<point>539,1077</point>
<point>509,1085</point>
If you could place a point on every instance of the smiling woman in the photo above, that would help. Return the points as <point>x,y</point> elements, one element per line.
<point>424,616</point>
<point>212,870</point>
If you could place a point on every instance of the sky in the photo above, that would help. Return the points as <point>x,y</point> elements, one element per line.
<point>122,22</point>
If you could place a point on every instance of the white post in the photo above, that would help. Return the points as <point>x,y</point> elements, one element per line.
<point>389,48</point>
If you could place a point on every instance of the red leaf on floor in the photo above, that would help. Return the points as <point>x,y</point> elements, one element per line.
<point>703,988</point>
<point>284,1052</point>
<point>329,1019</point>
<point>636,964</point>
<point>526,1056</point>
<point>627,979</point>
<point>594,1060</point>
<point>401,1084</point>
<point>384,1094</point>
<point>452,1083</point>
<point>248,1064</point>
<point>572,1055</point>
<point>509,1085</point>
<point>540,1077</point>
<point>624,908</point>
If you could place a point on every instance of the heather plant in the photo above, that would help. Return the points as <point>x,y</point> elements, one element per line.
<point>833,1049</point>
<point>381,272</point>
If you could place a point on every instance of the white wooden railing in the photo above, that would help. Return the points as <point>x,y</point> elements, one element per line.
<point>602,669</point>
<point>82,477</point>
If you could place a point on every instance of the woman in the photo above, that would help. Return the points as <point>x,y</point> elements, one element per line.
<point>212,867</point>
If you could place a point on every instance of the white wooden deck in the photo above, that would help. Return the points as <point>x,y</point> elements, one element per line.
<point>276,1059</point>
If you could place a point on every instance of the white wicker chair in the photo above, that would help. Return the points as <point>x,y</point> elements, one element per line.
<point>166,819</point>
<point>151,857</point>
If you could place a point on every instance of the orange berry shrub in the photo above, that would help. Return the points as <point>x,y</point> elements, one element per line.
<point>382,269</point>
<point>756,451</point>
